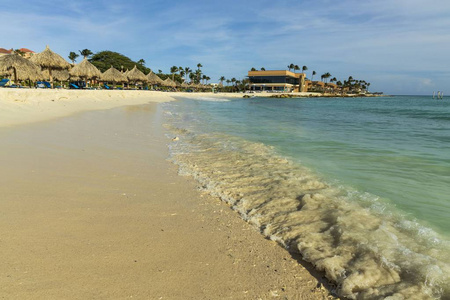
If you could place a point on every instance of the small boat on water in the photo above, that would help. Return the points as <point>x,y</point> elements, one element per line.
<point>439,95</point>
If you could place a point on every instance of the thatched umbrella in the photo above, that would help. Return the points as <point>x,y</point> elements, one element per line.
<point>60,75</point>
<point>169,83</point>
<point>20,67</point>
<point>154,79</point>
<point>135,75</point>
<point>49,60</point>
<point>85,70</point>
<point>185,85</point>
<point>113,75</point>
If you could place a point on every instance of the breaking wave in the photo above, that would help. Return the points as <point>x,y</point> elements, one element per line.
<point>362,244</point>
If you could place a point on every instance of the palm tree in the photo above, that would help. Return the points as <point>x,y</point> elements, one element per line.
<point>228,81</point>
<point>173,70</point>
<point>86,53</point>
<point>207,79</point>
<point>192,76</point>
<point>304,68</point>
<point>182,72</point>
<point>73,57</point>
<point>199,72</point>
<point>253,69</point>
<point>313,73</point>
<point>291,66</point>
<point>263,69</point>
<point>159,71</point>
<point>187,70</point>
<point>141,62</point>
<point>325,76</point>
<point>222,79</point>
<point>296,68</point>
<point>204,78</point>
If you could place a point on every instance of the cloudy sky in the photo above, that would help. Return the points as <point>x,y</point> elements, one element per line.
<point>399,46</point>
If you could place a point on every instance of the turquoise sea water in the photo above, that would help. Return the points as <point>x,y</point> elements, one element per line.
<point>359,186</point>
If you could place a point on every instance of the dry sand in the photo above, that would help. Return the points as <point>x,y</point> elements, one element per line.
<point>91,209</point>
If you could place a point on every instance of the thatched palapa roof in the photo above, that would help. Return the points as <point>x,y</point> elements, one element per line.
<point>86,70</point>
<point>154,79</point>
<point>60,75</point>
<point>20,67</point>
<point>48,59</point>
<point>136,75</point>
<point>169,82</point>
<point>113,75</point>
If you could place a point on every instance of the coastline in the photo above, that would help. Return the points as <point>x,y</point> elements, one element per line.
<point>22,106</point>
<point>92,209</point>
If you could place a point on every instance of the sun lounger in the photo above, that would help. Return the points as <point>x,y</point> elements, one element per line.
<point>3,82</point>
<point>74,86</point>
<point>43,84</point>
<point>106,86</point>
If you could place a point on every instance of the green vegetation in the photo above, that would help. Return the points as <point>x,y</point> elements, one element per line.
<point>73,57</point>
<point>86,53</point>
<point>103,60</point>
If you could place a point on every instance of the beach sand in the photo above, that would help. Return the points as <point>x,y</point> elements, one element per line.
<point>91,209</point>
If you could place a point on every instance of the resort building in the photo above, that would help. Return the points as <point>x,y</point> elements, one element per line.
<point>4,51</point>
<point>277,80</point>
<point>27,53</point>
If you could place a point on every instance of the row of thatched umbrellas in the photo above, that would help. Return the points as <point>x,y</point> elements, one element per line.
<point>48,65</point>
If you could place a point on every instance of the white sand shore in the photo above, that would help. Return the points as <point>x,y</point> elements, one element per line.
<point>22,106</point>
<point>91,209</point>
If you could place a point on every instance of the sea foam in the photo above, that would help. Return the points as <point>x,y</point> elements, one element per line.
<point>367,249</point>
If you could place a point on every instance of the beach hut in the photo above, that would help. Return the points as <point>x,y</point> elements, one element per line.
<point>113,75</point>
<point>19,67</point>
<point>49,60</point>
<point>85,70</point>
<point>154,79</point>
<point>136,76</point>
<point>60,75</point>
<point>169,83</point>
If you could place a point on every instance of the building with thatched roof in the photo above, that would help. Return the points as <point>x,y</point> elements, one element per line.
<point>85,70</point>
<point>19,67</point>
<point>135,75</point>
<point>154,79</point>
<point>113,75</point>
<point>169,83</point>
<point>49,60</point>
<point>60,75</point>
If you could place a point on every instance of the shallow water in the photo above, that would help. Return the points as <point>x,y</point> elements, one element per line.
<point>358,186</point>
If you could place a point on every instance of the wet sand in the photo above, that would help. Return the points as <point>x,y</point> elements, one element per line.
<point>91,209</point>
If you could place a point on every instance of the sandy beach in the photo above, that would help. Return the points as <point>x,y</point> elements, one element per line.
<point>91,209</point>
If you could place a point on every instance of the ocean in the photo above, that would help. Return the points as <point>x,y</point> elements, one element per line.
<point>359,187</point>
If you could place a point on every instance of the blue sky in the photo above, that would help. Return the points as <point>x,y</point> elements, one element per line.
<point>400,46</point>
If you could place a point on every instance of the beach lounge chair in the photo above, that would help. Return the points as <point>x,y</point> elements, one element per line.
<point>74,86</point>
<point>43,84</point>
<point>3,82</point>
<point>106,86</point>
